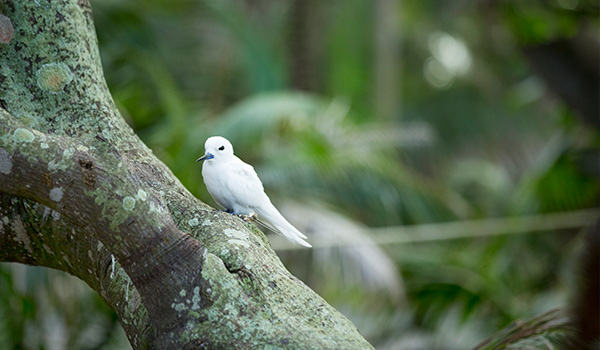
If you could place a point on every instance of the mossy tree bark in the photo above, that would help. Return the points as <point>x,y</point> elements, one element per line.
<point>79,192</point>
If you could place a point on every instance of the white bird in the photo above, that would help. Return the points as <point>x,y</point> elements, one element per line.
<point>235,186</point>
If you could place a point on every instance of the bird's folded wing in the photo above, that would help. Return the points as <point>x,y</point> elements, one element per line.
<point>244,185</point>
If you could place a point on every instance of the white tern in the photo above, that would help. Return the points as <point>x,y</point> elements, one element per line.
<point>235,186</point>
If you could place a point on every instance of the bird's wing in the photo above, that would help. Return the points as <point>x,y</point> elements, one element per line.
<point>248,191</point>
<point>244,185</point>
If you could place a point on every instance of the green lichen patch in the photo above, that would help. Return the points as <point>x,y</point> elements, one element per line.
<point>142,195</point>
<point>53,77</point>
<point>128,203</point>
<point>60,163</point>
<point>238,242</point>
<point>114,209</point>
<point>235,233</point>
<point>23,135</point>
<point>178,307</point>
<point>196,299</point>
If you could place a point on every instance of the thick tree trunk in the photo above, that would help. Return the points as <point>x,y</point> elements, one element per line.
<point>81,193</point>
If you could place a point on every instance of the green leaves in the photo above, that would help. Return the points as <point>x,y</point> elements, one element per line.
<point>544,332</point>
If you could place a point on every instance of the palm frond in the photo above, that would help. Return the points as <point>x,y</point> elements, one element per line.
<point>362,263</point>
<point>544,332</point>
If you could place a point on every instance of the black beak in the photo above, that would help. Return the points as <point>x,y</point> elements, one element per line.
<point>207,156</point>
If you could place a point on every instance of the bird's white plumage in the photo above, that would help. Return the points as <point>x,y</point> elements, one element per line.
<point>235,186</point>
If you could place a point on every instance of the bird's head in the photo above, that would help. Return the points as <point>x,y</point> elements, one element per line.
<point>217,147</point>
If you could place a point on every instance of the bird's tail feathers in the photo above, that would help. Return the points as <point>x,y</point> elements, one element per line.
<point>274,221</point>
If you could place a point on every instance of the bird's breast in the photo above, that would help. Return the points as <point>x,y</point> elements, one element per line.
<point>215,182</point>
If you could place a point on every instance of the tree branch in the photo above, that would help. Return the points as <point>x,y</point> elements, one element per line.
<point>79,189</point>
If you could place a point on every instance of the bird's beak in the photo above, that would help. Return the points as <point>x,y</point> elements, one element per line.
<point>207,156</point>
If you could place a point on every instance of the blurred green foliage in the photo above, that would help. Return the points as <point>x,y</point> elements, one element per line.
<point>475,135</point>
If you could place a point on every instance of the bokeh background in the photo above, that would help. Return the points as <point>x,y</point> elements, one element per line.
<point>442,156</point>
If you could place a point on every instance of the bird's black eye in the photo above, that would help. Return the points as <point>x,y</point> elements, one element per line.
<point>221,148</point>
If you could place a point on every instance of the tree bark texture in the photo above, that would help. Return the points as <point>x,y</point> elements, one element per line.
<point>80,192</point>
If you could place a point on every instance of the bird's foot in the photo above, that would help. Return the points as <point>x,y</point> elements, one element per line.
<point>249,218</point>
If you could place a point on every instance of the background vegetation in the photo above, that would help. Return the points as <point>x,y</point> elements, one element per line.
<point>384,130</point>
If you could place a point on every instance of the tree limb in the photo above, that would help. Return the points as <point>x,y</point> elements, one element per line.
<point>79,189</point>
